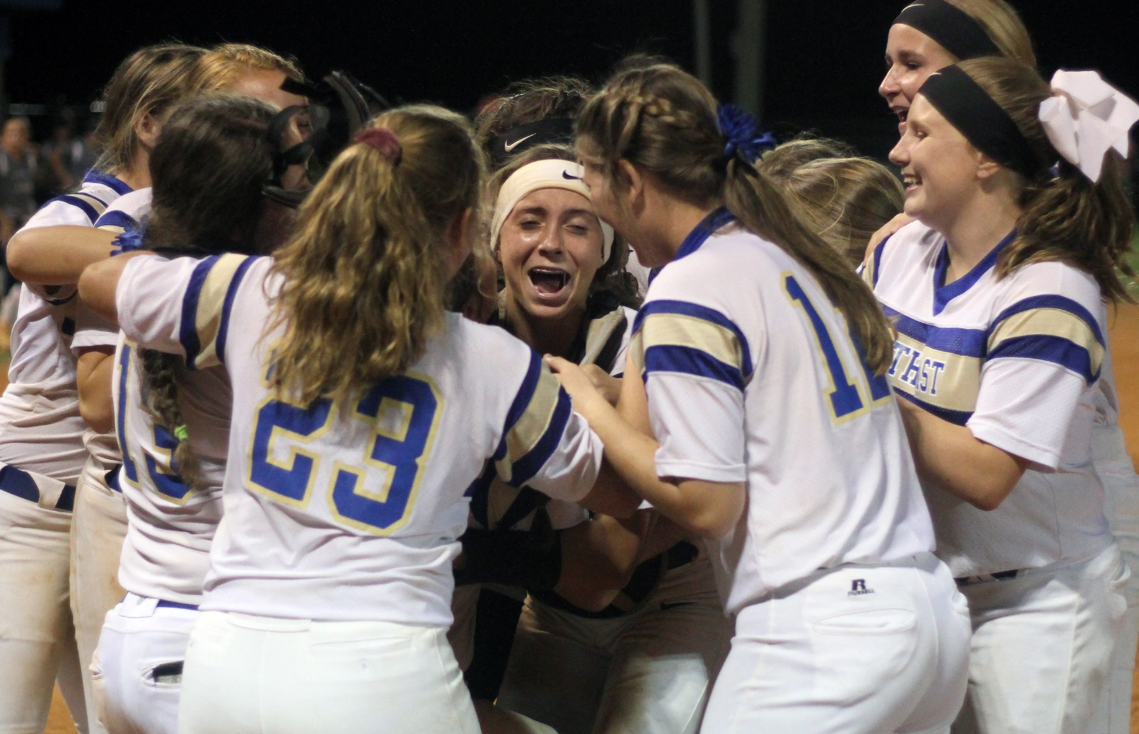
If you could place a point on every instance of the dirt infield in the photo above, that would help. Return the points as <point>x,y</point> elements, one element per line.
<point>1124,337</point>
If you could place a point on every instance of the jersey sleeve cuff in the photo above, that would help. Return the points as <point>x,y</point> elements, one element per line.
<point>996,436</point>
<point>696,470</point>
<point>94,338</point>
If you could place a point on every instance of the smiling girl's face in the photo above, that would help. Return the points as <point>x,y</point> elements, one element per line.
<point>551,248</point>
<point>911,56</point>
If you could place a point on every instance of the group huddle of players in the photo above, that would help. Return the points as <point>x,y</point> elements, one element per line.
<point>601,413</point>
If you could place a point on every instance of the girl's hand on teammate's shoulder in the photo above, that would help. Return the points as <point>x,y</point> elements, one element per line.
<point>889,228</point>
<point>585,395</point>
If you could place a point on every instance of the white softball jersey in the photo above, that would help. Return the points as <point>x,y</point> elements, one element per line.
<point>351,510</point>
<point>1017,361</point>
<point>40,426</point>
<point>167,548</point>
<point>752,376</point>
<point>128,212</point>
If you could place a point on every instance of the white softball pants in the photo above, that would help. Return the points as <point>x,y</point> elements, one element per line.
<point>37,639</point>
<point>133,693</point>
<point>853,649</point>
<point>1043,645</point>
<point>1121,492</point>
<point>248,674</point>
<point>98,529</point>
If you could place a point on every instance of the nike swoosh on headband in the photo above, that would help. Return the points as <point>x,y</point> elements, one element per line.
<point>566,175</point>
<point>511,146</point>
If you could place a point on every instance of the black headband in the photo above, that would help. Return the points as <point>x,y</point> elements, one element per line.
<point>981,120</point>
<point>953,28</point>
<point>517,139</point>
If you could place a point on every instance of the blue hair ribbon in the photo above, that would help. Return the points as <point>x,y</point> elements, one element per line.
<point>127,241</point>
<point>741,131</point>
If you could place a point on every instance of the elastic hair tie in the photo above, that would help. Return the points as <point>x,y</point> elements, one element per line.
<point>383,140</point>
<point>181,433</point>
<point>742,137</point>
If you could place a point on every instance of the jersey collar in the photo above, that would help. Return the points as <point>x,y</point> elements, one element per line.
<point>943,294</point>
<point>96,176</point>
<point>707,227</point>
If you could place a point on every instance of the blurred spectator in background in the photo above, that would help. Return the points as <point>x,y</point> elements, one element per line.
<point>66,155</point>
<point>17,176</point>
<point>17,193</point>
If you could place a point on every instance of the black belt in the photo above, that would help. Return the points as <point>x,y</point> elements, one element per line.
<point>21,484</point>
<point>985,577</point>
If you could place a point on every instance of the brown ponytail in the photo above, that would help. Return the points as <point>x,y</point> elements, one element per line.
<point>364,276</point>
<point>208,167</point>
<point>664,120</point>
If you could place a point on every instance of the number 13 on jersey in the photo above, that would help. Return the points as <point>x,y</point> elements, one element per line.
<point>371,487</point>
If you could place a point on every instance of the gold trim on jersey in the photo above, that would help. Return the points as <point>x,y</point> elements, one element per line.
<point>680,330</point>
<point>1053,322</point>
<point>531,426</point>
<point>96,204</point>
<point>942,379</point>
<point>637,352</point>
<point>211,302</point>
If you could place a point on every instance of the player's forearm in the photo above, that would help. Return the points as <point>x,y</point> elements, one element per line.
<point>951,458</point>
<point>708,509</point>
<point>99,282</point>
<point>57,255</point>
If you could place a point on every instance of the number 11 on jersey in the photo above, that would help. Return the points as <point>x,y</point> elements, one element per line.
<point>846,398</point>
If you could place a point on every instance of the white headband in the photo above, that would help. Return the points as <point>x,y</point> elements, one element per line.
<point>550,173</point>
<point>1085,118</point>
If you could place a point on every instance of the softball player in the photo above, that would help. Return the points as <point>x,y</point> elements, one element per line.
<point>845,621</point>
<point>173,519</point>
<point>348,464</point>
<point>41,444</point>
<point>643,663</point>
<point>59,255</point>
<point>998,296</point>
<point>923,39</point>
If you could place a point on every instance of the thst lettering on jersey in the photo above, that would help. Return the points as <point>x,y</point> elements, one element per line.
<point>910,367</point>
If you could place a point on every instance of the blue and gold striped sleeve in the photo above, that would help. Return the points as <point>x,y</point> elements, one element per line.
<point>206,308</point>
<point>534,425</point>
<point>685,338</point>
<point>116,221</point>
<point>91,206</point>
<point>1052,329</point>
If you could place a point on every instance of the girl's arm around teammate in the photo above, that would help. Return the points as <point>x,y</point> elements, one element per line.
<point>708,509</point>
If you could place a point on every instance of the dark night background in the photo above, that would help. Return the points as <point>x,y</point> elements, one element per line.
<point>824,57</point>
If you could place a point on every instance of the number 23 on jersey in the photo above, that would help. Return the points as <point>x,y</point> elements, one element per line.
<point>370,487</point>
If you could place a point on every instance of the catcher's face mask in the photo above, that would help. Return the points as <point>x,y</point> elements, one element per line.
<point>308,137</point>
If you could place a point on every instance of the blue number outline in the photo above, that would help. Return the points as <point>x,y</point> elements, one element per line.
<point>340,469</point>
<point>159,466</point>
<point>848,401</point>
<point>129,466</point>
